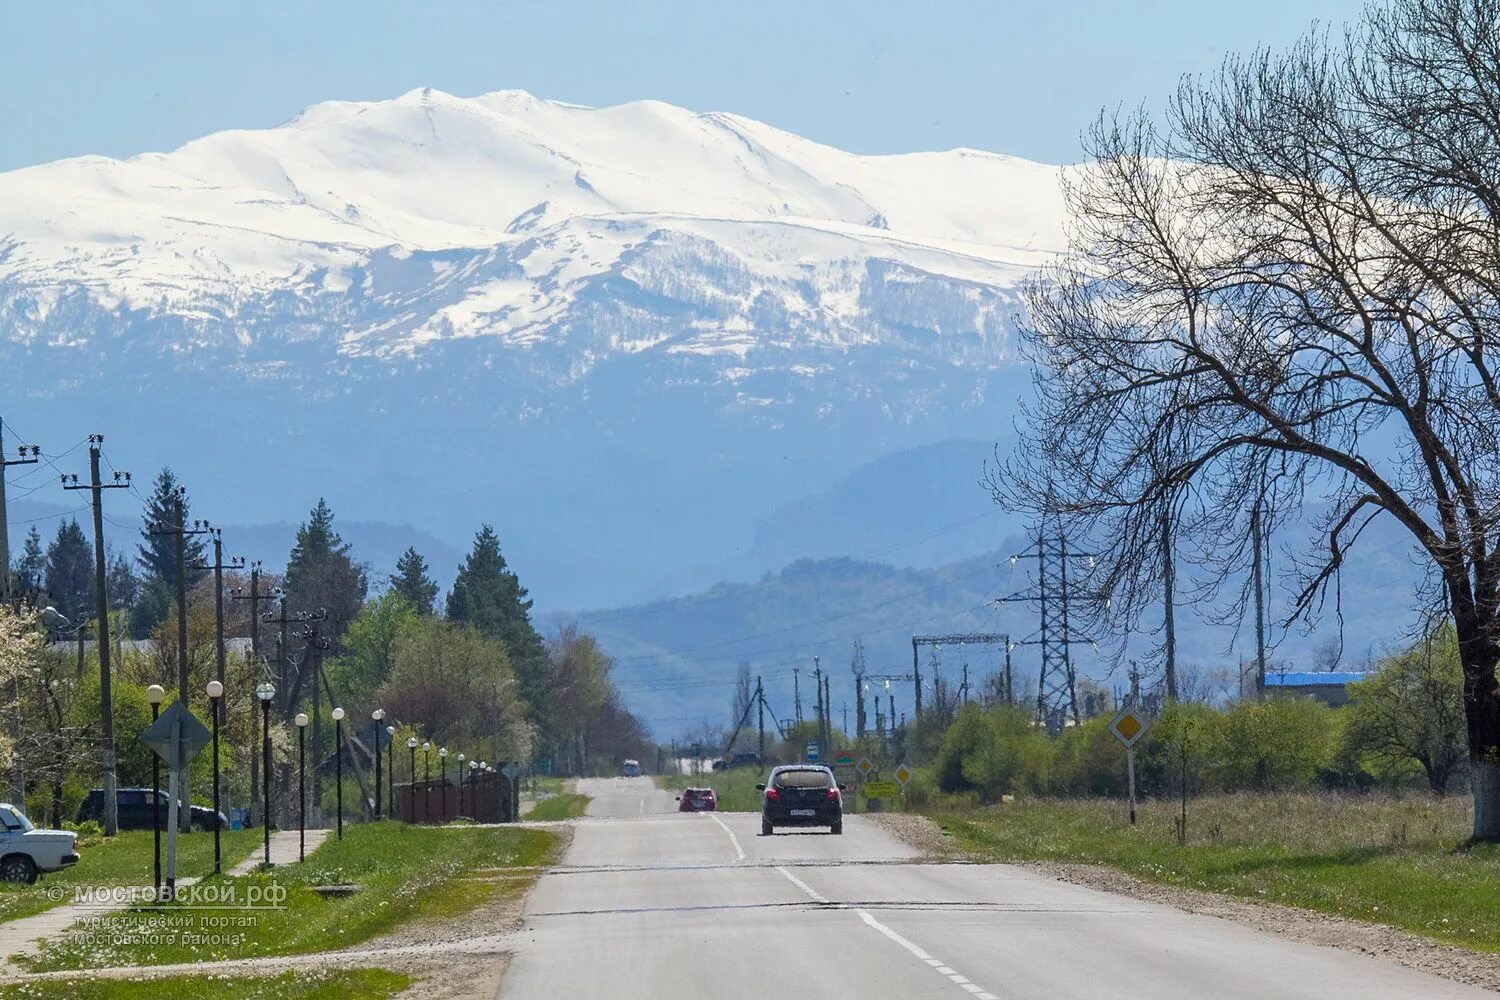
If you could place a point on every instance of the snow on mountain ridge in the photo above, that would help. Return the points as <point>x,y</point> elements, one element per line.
<point>522,209</point>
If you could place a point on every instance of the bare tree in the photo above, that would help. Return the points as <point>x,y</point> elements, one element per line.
<point>1286,292</point>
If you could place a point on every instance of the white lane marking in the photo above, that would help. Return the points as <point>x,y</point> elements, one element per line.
<point>812,893</point>
<point>738,850</point>
<point>936,964</point>
<point>917,952</point>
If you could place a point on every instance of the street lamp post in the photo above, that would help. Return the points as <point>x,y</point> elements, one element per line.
<point>377,715</point>
<point>461,759</point>
<point>338,765</point>
<point>265,691</point>
<point>390,768</point>
<point>215,699</point>
<point>301,721</point>
<point>411,795</point>
<point>443,778</point>
<point>154,694</point>
<point>427,781</point>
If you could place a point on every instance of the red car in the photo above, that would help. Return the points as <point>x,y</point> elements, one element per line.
<point>694,800</point>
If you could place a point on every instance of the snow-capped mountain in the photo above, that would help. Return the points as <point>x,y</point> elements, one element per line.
<point>710,315</point>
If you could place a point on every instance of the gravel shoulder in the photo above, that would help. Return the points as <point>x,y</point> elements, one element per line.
<point>1388,943</point>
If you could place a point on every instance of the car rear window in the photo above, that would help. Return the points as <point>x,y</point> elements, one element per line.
<point>804,779</point>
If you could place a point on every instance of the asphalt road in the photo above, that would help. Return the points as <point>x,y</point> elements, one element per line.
<point>653,904</point>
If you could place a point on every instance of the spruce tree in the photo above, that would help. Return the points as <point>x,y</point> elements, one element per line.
<point>158,553</point>
<point>322,574</point>
<point>70,573</point>
<point>33,564</point>
<point>488,596</point>
<point>412,582</point>
<point>121,583</point>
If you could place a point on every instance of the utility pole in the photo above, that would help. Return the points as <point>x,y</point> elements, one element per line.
<point>760,701</point>
<point>1169,624</point>
<point>179,531</point>
<point>827,743</point>
<point>858,668</point>
<point>5,463</point>
<point>1260,604</point>
<point>219,566</point>
<point>96,490</point>
<point>818,687</point>
<point>254,597</point>
<point>797,694</point>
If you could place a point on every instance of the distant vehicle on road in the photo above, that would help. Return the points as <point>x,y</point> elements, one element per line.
<point>801,795</point>
<point>26,851</point>
<point>133,810</point>
<point>698,800</point>
<point>631,769</point>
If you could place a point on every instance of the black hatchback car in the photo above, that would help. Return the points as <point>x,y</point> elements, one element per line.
<point>133,810</point>
<point>800,795</point>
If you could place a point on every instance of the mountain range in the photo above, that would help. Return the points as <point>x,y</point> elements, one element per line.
<point>657,349</point>
<point>627,336</point>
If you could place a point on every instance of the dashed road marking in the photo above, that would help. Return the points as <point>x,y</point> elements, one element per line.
<point>740,851</point>
<point>952,975</point>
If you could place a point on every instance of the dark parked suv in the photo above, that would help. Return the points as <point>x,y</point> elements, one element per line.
<point>133,807</point>
<point>800,795</point>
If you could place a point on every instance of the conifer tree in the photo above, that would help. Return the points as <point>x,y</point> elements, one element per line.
<point>29,571</point>
<point>412,582</point>
<point>488,596</point>
<point>70,573</point>
<point>322,574</point>
<point>157,554</point>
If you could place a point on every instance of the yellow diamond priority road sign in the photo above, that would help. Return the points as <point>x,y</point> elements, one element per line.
<point>903,775</point>
<point>864,766</point>
<point>1129,725</point>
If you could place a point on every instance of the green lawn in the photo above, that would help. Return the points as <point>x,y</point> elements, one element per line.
<point>123,860</point>
<point>1401,862</point>
<point>562,806</point>
<point>307,984</point>
<point>403,873</point>
<point>736,787</point>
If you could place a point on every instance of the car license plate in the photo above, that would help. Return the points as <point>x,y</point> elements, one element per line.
<point>804,812</point>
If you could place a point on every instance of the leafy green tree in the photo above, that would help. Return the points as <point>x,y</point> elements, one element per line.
<point>365,662</point>
<point>488,596</point>
<point>322,574</point>
<point>412,582</point>
<point>1412,710</point>
<point>70,573</point>
<point>457,686</point>
<point>1277,744</point>
<point>157,554</point>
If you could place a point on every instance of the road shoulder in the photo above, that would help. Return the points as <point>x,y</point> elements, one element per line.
<point>1391,944</point>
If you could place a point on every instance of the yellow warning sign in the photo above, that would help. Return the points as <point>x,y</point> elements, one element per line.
<point>1129,725</point>
<point>903,775</point>
<point>881,790</point>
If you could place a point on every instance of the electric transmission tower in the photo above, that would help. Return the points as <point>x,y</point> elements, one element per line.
<point>1057,695</point>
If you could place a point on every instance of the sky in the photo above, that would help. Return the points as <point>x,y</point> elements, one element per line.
<point>875,76</point>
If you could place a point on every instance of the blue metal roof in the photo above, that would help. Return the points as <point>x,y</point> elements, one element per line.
<point>1314,678</point>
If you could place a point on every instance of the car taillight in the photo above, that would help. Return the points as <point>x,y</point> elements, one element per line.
<point>833,794</point>
<point>772,794</point>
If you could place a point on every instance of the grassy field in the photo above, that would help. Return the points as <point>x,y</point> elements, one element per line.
<point>736,788</point>
<point>1394,861</point>
<point>123,860</point>
<point>564,805</point>
<point>308,984</point>
<point>402,873</point>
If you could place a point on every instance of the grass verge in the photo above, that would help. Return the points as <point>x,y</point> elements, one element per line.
<point>555,807</point>
<point>1401,862</point>
<point>122,860</point>
<point>309,984</point>
<point>735,787</point>
<point>402,873</point>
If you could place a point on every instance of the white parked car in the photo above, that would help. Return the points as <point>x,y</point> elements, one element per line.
<point>25,851</point>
